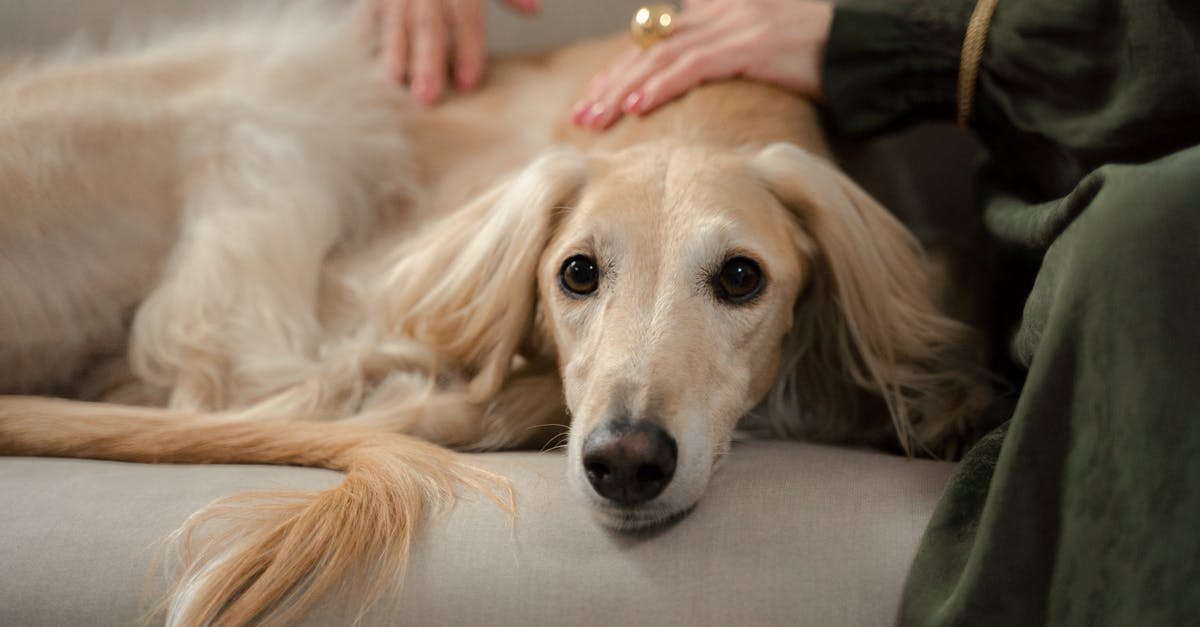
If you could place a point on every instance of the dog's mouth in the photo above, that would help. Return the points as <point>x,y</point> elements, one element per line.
<point>637,518</point>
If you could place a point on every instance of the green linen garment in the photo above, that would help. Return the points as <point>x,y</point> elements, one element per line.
<point>1082,507</point>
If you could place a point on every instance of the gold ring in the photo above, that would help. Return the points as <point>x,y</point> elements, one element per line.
<point>652,24</point>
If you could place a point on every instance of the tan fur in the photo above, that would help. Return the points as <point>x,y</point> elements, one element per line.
<point>248,229</point>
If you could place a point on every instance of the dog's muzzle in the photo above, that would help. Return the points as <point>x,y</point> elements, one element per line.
<point>629,463</point>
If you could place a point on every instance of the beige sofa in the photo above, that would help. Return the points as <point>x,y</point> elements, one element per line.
<point>789,533</point>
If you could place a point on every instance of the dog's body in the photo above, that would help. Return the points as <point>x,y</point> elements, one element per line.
<point>249,227</point>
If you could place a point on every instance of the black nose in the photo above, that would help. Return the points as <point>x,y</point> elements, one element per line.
<point>629,463</point>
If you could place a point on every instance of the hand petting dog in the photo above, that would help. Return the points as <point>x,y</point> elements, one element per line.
<point>774,41</point>
<point>420,41</point>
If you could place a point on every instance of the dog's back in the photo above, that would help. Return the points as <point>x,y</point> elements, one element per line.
<point>107,161</point>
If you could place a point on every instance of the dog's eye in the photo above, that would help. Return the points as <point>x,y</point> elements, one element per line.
<point>579,275</point>
<point>739,281</point>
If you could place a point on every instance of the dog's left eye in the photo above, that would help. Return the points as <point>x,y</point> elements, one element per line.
<point>579,275</point>
<point>739,281</point>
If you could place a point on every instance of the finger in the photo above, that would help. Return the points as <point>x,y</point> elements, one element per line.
<point>598,86</point>
<point>601,103</point>
<point>690,70</point>
<point>620,66</point>
<point>624,92</point>
<point>395,39</point>
<point>469,56</point>
<point>617,67</point>
<point>428,31</point>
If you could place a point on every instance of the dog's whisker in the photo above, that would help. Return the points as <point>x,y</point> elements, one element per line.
<point>546,425</point>
<point>556,442</point>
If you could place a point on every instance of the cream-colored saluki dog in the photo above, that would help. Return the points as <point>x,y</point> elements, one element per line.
<point>240,244</point>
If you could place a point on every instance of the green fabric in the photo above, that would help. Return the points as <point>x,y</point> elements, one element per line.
<point>1064,87</point>
<point>1083,507</point>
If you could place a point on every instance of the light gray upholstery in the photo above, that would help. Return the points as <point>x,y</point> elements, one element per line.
<point>789,533</point>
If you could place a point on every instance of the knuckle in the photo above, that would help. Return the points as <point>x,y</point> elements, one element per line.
<point>694,61</point>
<point>427,24</point>
<point>471,22</point>
<point>662,55</point>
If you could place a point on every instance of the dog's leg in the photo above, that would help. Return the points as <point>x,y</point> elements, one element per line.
<point>527,412</point>
<point>235,317</point>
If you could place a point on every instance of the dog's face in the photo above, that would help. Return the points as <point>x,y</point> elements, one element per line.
<point>678,287</point>
<point>668,289</point>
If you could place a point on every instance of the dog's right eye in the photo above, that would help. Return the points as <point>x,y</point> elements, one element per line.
<point>579,275</point>
<point>739,281</point>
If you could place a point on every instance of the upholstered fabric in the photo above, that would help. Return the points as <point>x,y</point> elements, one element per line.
<point>789,533</point>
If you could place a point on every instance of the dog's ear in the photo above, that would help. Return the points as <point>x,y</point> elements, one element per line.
<point>868,326</point>
<point>467,288</point>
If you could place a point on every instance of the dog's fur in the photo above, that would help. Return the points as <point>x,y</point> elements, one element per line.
<point>239,234</point>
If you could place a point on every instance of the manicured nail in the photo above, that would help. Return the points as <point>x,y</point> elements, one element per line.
<point>595,115</point>
<point>631,103</point>
<point>466,79</point>
<point>423,90</point>
<point>579,110</point>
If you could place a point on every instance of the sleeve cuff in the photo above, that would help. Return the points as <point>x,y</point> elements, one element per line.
<point>894,64</point>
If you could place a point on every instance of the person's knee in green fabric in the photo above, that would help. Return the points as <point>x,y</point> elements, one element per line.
<point>1118,302</point>
<point>1142,225</point>
<point>1127,258</point>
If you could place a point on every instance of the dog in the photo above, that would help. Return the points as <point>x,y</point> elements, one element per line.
<point>240,244</point>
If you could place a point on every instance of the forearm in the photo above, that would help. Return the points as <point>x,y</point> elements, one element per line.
<point>1063,87</point>
<point>890,63</point>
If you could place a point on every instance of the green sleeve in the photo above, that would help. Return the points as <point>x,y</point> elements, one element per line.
<point>1064,85</point>
<point>891,63</point>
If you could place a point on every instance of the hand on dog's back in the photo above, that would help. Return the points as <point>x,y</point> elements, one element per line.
<point>417,39</point>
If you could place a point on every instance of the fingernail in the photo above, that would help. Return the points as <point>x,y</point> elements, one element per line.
<point>423,90</point>
<point>631,102</point>
<point>466,79</point>
<point>595,115</point>
<point>578,110</point>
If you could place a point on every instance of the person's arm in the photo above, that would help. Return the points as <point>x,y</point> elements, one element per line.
<point>890,63</point>
<point>1063,86</point>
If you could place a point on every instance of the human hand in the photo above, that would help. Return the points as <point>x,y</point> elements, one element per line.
<point>774,41</point>
<point>419,38</point>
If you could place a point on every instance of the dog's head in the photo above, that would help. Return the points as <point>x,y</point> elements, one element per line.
<point>680,288</point>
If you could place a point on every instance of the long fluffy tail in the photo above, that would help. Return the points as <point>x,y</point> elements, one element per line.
<point>266,557</point>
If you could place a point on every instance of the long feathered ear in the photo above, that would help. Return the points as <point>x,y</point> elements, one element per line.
<point>467,287</point>
<point>868,326</point>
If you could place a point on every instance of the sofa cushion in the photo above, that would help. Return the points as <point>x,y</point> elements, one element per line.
<point>789,533</point>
